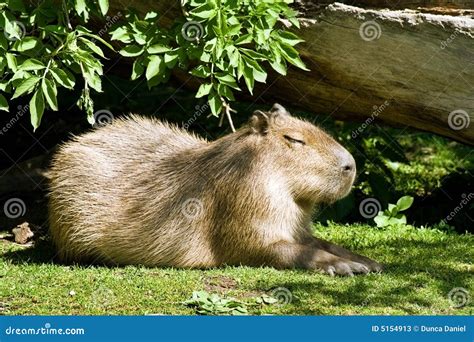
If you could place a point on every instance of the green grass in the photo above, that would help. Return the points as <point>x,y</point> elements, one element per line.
<point>430,159</point>
<point>421,267</point>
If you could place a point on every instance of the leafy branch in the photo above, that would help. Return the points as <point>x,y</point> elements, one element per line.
<point>223,43</point>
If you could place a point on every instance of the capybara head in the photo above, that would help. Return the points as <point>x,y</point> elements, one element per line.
<point>316,167</point>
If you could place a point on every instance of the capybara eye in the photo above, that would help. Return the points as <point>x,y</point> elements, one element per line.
<point>293,140</point>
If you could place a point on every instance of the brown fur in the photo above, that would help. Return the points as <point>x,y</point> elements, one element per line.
<point>139,191</point>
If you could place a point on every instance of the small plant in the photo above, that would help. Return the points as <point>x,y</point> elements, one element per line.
<point>392,215</point>
<point>211,304</point>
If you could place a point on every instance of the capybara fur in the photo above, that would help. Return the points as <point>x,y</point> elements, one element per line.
<point>140,191</point>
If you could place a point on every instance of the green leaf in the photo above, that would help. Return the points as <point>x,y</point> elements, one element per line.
<point>215,103</point>
<point>279,66</point>
<point>31,64</point>
<point>61,30</point>
<point>81,8</point>
<point>131,51</point>
<point>206,11</point>
<point>245,39</point>
<point>50,93</point>
<point>381,221</point>
<point>36,108</point>
<point>3,103</point>
<point>155,66</point>
<point>3,42</point>
<point>225,91</point>
<point>227,79</point>
<point>137,69</point>
<point>11,61</point>
<point>233,55</point>
<point>94,48</point>
<point>25,44</point>
<point>86,32</point>
<point>158,48</point>
<point>392,209</point>
<point>92,78</point>
<point>26,86</point>
<point>291,55</point>
<point>404,203</point>
<point>151,15</point>
<point>171,58</point>
<point>121,34</point>
<point>104,6</point>
<point>201,71</point>
<point>64,78</point>
<point>287,37</point>
<point>204,89</point>
<point>248,78</point>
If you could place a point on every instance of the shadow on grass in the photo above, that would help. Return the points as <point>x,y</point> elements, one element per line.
<point>412,280</point>
<point>421,273</point>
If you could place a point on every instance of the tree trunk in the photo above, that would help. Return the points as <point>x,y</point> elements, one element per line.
<point>403,67</point>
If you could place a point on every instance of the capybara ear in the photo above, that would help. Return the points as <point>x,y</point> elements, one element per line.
<point>279,109</point>
<point>259,122</point>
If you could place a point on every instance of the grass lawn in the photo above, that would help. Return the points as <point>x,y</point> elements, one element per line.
<point>421,267</point>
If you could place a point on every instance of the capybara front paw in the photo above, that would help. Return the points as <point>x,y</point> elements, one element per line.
<point>344,267</point>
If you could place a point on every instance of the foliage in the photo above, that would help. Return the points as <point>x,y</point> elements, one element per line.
<point>392,215</point>
<point>220,41</point>
<point>211,304</point>
<point>42,52</point>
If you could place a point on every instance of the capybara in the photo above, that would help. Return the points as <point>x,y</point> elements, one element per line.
<point>141,191</point>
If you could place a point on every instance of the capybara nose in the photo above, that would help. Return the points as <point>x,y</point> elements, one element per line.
<point>348,165</point>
